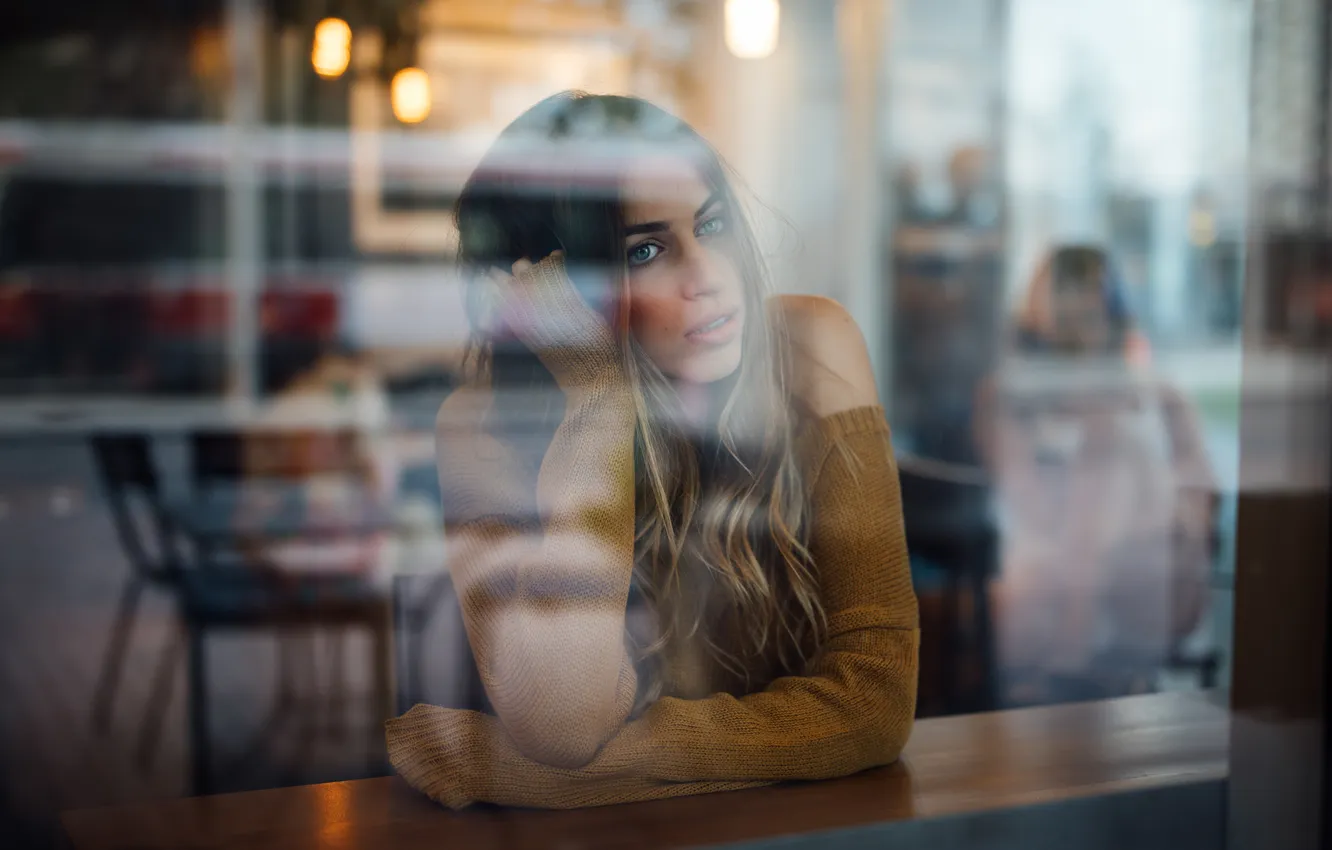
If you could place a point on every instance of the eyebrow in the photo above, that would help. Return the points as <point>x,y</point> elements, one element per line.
<point>659,226</point>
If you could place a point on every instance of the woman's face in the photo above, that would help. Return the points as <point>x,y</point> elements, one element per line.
<point>686,295</point>
<point>1080,319</point>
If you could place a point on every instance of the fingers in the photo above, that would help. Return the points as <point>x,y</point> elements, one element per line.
<point>525,265</point>
<point>539,305</point>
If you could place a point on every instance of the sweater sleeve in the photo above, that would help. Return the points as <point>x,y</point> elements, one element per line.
<point>852,710</point>
<point>543,586</point>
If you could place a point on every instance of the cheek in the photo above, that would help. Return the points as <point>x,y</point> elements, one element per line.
<point>653,318</point>
<point>727,271</point>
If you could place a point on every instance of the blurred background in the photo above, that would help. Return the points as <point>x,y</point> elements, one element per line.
<point>225,233</point>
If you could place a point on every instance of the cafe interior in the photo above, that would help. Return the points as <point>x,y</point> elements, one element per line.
<point>207,207</point>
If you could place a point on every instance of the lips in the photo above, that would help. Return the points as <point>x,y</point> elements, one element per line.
<point>711,325</point>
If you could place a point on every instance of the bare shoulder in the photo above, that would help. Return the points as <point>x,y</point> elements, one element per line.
<point>830,362</point>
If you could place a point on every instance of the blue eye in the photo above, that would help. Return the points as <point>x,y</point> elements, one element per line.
<point>643,253</point>
<point>711,227</point>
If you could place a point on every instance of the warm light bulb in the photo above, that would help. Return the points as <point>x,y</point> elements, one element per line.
<point>751,27</point>
<point>332,47</point>
<point>410,95</point>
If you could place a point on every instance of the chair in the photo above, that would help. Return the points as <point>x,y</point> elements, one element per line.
<point>208,592</point>
<point>236,587</point>
<point>949,522</point>
<point>128,476</point>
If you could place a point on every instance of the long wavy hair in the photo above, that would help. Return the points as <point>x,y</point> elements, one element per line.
<point>722,519</point>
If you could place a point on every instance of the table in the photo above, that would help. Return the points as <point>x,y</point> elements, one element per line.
<point>954,766</point>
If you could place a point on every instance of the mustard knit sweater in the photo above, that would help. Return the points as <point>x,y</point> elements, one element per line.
<point>545,615</point>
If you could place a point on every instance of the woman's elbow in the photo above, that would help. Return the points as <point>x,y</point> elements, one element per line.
<point>890,739</point>
<point>887,727</point>
<point>568,745</point>
<point>880,738</point>
<point>563,726</point>
<point>560,707</point>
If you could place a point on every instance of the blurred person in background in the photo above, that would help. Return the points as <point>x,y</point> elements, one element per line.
<point>972,203</point>
<point>1106,494</point>
<point>697,580</point>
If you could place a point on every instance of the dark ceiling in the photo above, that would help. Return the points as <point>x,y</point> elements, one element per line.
<point>26,20</point>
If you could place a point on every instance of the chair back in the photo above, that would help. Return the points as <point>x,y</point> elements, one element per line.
<point>216,458</point>
<point>945,518</point>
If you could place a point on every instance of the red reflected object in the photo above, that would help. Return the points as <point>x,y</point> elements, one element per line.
<point>195,311</point>
<point>299,313</point>
<point>17,318</point>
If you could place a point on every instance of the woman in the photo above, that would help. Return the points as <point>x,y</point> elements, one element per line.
<point>1107,494</point>
<point>700,581</point>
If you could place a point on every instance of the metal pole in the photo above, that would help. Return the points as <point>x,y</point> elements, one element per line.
<point>244,211</point>
<point>865,282</point>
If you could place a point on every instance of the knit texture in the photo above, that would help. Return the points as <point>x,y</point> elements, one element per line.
<point>544,604</point>
<point>541,306</point>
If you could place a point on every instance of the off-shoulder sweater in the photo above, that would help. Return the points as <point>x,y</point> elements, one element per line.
<point>544,606</point>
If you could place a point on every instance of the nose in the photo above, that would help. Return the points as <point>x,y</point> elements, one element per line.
<point>699,277</point>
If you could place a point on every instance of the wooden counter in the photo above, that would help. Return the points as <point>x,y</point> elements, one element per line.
<point>953,766</point>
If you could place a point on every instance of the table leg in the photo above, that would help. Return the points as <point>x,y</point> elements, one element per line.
<point>112,665</point>
<point>951,644</point>
<point>987,697</point>
<point>200,753</point>
<point>402,637</point>
<point>384,687</point>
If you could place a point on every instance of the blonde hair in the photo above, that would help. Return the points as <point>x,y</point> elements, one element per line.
<point>746,534</point>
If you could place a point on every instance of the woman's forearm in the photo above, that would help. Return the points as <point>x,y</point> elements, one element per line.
<point>853,712</point>
<point>544,607</point>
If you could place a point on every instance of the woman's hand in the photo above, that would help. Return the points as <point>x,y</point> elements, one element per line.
<point>539,305</point>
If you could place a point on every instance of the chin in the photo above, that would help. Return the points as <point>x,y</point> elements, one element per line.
<point>711,367</point>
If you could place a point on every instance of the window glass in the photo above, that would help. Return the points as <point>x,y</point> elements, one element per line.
<point>248,304</point>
